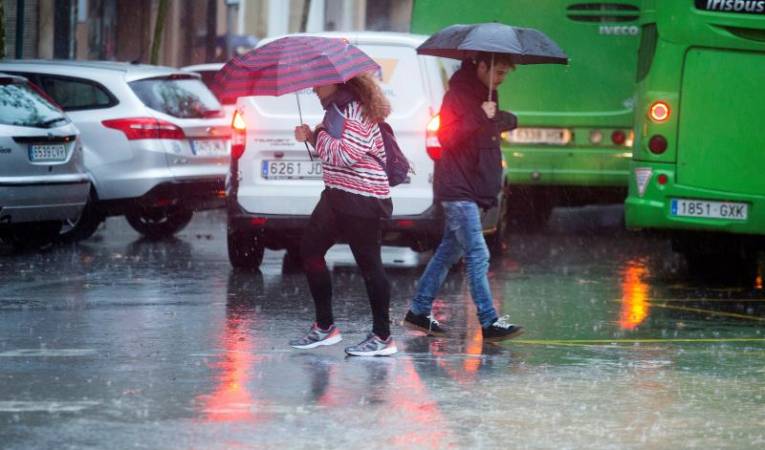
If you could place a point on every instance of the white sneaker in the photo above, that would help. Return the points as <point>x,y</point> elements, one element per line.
<point>373,346</point>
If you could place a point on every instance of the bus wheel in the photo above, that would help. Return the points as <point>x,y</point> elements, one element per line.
<point>528,210</point>
<point>717,258</point>
<point>496,240</point>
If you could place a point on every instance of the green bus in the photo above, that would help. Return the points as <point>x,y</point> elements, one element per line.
<point>698,170</point>
<point>574,141</point>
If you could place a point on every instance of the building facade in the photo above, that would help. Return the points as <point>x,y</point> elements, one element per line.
<point>195,31</point>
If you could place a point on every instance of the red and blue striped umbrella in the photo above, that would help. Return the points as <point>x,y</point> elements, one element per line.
<point>290,64</point>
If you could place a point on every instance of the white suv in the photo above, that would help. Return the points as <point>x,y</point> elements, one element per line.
<point>275,186</point>
<point>156,142</point>
<point>43,183</point>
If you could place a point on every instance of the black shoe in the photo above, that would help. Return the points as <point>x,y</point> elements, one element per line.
<point>500,330</point>
<point>426,324</point>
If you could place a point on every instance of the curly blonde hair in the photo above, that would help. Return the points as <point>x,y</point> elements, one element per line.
<point>374,103</point>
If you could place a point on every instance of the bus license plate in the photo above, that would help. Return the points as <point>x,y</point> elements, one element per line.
<point>47,152</point>
<point>291,170</point>
<point>209,147</point>
<point>707,209</point>
<point>554,136</point>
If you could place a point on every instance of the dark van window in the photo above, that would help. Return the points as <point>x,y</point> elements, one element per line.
<point>648,37</point>
<point>76,94</point>
<point>22,106</point>
<point>185,98</point>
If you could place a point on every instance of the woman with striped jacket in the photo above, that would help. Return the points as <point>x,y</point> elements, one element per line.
<point>355,199</point>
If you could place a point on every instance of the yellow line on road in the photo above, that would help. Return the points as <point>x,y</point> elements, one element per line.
<point>633,341</point>
<point>706,300</point>
<point>711,312</point>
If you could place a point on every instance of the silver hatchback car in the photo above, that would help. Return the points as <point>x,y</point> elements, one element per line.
<point>43,184</point>
<point>155,139</point>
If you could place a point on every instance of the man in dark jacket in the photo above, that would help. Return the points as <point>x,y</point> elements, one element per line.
<point>467,177</point>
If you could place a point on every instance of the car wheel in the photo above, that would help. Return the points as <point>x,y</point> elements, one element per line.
<point>245,249</point>
<point>84,226</point>
<point>158,223</point>
<point>293,261</point>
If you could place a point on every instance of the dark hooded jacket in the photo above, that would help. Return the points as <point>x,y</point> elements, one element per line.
<point>470,167</point>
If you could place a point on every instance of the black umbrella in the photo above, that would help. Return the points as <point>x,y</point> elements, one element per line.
<point>523,45</point>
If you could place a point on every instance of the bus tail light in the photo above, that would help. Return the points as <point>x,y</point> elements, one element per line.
<point>238,136</point>
<point>618,137</point>
<point>432,145</point>
<point>659,111</point>
<point>657,144</point>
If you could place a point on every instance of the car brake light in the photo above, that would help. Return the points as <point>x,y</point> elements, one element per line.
<point>432,145</point>
<point>659,111</point>
<point>238,137</point>
<point>145,128</point>
<point>213,113</point>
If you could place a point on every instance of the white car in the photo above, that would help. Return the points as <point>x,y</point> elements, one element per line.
<point>156,142</point>
<point>43,184</point>
<point>275,186</point>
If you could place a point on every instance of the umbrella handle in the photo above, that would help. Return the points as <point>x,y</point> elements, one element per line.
<point>491,75</point>
<point>300,114</point>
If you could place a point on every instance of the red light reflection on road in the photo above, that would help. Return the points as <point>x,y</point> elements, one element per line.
<point>411,400</point>
<point>634,305</point>
<point>231,401</point>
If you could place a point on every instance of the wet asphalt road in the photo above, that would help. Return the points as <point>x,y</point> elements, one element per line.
<point>124,343</point>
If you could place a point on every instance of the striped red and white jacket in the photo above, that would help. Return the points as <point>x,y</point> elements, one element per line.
<point>348,163</point>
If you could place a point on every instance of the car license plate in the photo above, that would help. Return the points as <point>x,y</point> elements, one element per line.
<point>555,136</point>
<point>708,209</point>
<point>291,170</point>
<point>209,147</point>
<point>47,152</point>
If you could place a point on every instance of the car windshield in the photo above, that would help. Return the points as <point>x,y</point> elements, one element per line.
<point>21,105</point>
<point>185,98</point>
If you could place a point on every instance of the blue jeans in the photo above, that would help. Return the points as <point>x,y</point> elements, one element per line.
<point>462,236</point>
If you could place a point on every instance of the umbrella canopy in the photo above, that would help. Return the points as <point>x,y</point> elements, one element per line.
<point>524,45</point>
<point>290,64</point>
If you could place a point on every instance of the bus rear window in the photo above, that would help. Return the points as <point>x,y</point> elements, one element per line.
<point>603,12</point>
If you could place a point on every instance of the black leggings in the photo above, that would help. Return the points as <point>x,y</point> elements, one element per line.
<point>326,227</point>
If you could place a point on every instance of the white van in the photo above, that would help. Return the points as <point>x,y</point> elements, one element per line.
<point>275,185</point>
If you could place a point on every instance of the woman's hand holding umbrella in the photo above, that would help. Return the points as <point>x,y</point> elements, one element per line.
<point>303,133</point>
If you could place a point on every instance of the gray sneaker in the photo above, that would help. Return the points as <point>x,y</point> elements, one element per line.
<point>373,346</point>
<point>316,337</point>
